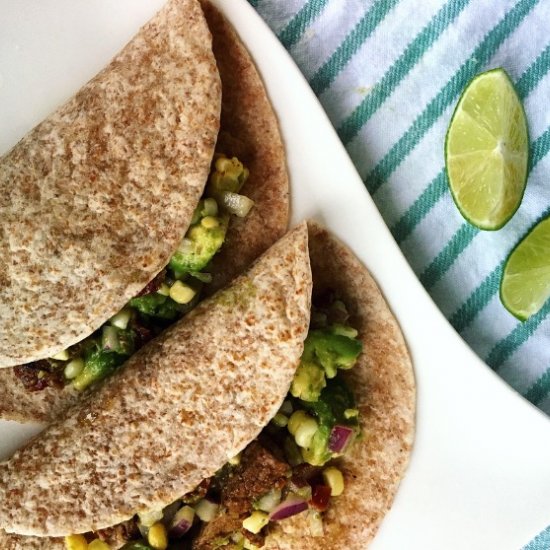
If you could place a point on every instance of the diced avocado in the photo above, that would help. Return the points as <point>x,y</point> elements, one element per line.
<point>98,364</point>
<point>332,350</point>
<point>308,381</point>
<point>317,452</point>
<point>159,306</point>
<point>334,401</point>
<point>329,410</point>
<point>198,247</point>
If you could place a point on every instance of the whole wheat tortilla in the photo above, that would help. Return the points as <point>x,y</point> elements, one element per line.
<point>17,542</point>
<point>175,413</point>
<point>385,394</point>
<point>249,130</point>
<point>384,384</point>
<point>96,198</point>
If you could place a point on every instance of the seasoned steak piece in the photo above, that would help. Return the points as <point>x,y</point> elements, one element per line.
<point>258,473</point>
<point>220,528</point>
<point>119,534</point>
<point>305,472</point>
<point>211,534</point>
<point>199,492</point>
<point>38,375</point>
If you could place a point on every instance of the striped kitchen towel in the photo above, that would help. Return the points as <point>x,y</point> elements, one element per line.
<point>389,73</point>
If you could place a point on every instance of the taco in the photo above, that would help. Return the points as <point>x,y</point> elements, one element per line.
<point>121,273</point>
<point>243,463</point>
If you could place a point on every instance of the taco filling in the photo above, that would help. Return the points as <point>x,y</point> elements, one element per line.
<point>170,295</point>
<point>291,468</point>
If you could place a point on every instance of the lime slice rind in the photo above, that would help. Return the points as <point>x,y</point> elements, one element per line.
<point>487,174</point>
<point>525,282</point>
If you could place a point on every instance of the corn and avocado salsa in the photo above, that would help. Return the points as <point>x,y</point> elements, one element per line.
<point>291,468</point>
<point>170,295</point>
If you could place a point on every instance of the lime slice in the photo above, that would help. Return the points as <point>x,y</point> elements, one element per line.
<point>486,151</point>
<point>525,284</point>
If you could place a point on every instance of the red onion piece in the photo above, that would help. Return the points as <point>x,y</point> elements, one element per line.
<point>340,437</point>
<point>177,531</point>
<point>182,522</point>
<point>289,507</point>
<point>320,497</point>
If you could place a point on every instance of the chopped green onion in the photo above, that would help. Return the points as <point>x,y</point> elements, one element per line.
<point>315,522</point>
<point>206,510</point>
<point>269,501</point>
<point>61,356</point>
<point>236,204</point>
<point>256,522</point>
<point>210,207</point>
<point>122,318</point>
<point>150,517</point>
<point>202,277</point>
<point>280,420</point>
<point>343,330</point>
<point>109,338</point>
<point>73,368</point>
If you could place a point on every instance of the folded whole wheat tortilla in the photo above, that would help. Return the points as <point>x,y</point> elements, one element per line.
<point>58,485</point>
<point>97,197</point>
<point>385,392</point>
<point>175,413</point>
<point>249,130</point>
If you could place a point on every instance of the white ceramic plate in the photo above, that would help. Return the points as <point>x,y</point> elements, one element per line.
<point>480,471</point>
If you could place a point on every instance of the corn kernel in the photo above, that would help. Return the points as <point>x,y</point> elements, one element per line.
<point>335,480</point>
<point>157,537</point>
<point>73,368</point>
<point>305,432</point>
<point>164,289</point>
<point>351,413</point>
<point>210,222</point>
<point>256,522</point>
<point>76,542</point>
<point>295,420</point>
<point>236,460</point>
<point>61,356</point>
<point>98,545</point>
<point>181,293</point>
